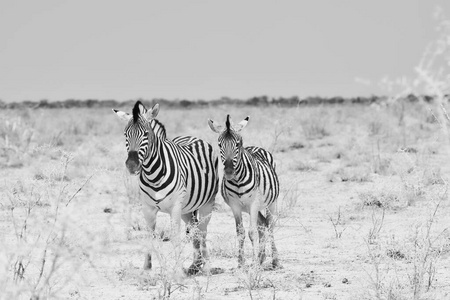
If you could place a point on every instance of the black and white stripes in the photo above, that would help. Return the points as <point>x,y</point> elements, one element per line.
<point>255,169</point>
<point>176,176</point>
<point>180,177</point>
<point>250,184</point>
<point>166,165</point>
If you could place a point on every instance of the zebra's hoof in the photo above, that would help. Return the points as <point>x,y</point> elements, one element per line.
<point>276,264</point>
<point>194,269</point>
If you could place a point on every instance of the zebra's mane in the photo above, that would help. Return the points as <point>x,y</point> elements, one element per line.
<point>158,129</point>
<point>228,133</point>
<point>228,123</point>
<point>136,111</point>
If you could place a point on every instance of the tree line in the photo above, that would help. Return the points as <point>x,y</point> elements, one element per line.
<point>183,103</point>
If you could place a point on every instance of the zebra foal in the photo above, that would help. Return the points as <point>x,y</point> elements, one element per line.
<point>250,184</point>
<point>178,177</point>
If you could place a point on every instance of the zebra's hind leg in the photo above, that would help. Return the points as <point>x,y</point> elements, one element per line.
<point>192,231</point>
<point>205,213</point>
<point>200,222</point>
<point>271,223</point>
<point>150,216</point>
<point>175,219</point>
<point>262,226</point>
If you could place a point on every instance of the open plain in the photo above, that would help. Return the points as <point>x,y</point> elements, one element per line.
<point>363,211</point>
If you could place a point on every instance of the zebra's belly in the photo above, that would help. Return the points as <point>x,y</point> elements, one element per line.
<point>166,203</point>
<point>244,202</point>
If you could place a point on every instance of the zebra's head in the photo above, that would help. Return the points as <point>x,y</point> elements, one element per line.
<point>138,134</point>
<point>230,144</point>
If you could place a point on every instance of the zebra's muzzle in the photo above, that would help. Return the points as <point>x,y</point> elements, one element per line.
<point>132,163</point>
<point>229,176</point>
<point>228,169</point>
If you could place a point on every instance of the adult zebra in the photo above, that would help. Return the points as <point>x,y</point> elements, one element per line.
<point>176,176</point>
<point>251,185</point>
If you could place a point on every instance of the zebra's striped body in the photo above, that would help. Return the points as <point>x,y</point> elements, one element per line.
<point>251,185</point>
<point>176,176</point>
<point>183,164</point>
<point>256,170</point>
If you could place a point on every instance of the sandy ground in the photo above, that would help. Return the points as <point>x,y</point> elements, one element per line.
<point>333,195</point>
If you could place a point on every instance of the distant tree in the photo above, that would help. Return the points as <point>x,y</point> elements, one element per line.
<point>258,101</point>
<point>186,103</point>
<point>336,100</point>
<point>412,98</point>
<point>92,103</point>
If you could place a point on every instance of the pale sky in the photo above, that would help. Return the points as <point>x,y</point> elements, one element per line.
<point>207,49</point>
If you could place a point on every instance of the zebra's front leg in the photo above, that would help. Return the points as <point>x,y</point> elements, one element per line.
<point>254,234</point>
<point>271,224</point>
<point>240,235</point>
<point>150,216</point>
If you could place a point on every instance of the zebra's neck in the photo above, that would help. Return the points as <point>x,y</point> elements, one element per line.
<point>158,129</point>
<point>155,166</point>
<point>246,170</point>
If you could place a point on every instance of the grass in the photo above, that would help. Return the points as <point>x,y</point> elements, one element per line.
<point>381,199</point>
<point>72,225</point>
<point>306,166</point>
<point>385,183</point>
<point>407,268</point>
<point>40,249</point>
<point>410,271</point>
<point>224,246</point>
<point>339,223</point>
<point>316,125</point>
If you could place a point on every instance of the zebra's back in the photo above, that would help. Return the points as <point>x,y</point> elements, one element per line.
<point>262,176</point>
<point>198,165</point>
<point>268,178</point>
<point>261,155</point>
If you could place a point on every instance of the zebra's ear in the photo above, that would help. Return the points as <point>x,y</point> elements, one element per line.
<point>122,115</point>
<point>214,127</point>
<point>153,112</point>
<point>241,125</point>
<point>142,109</point>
